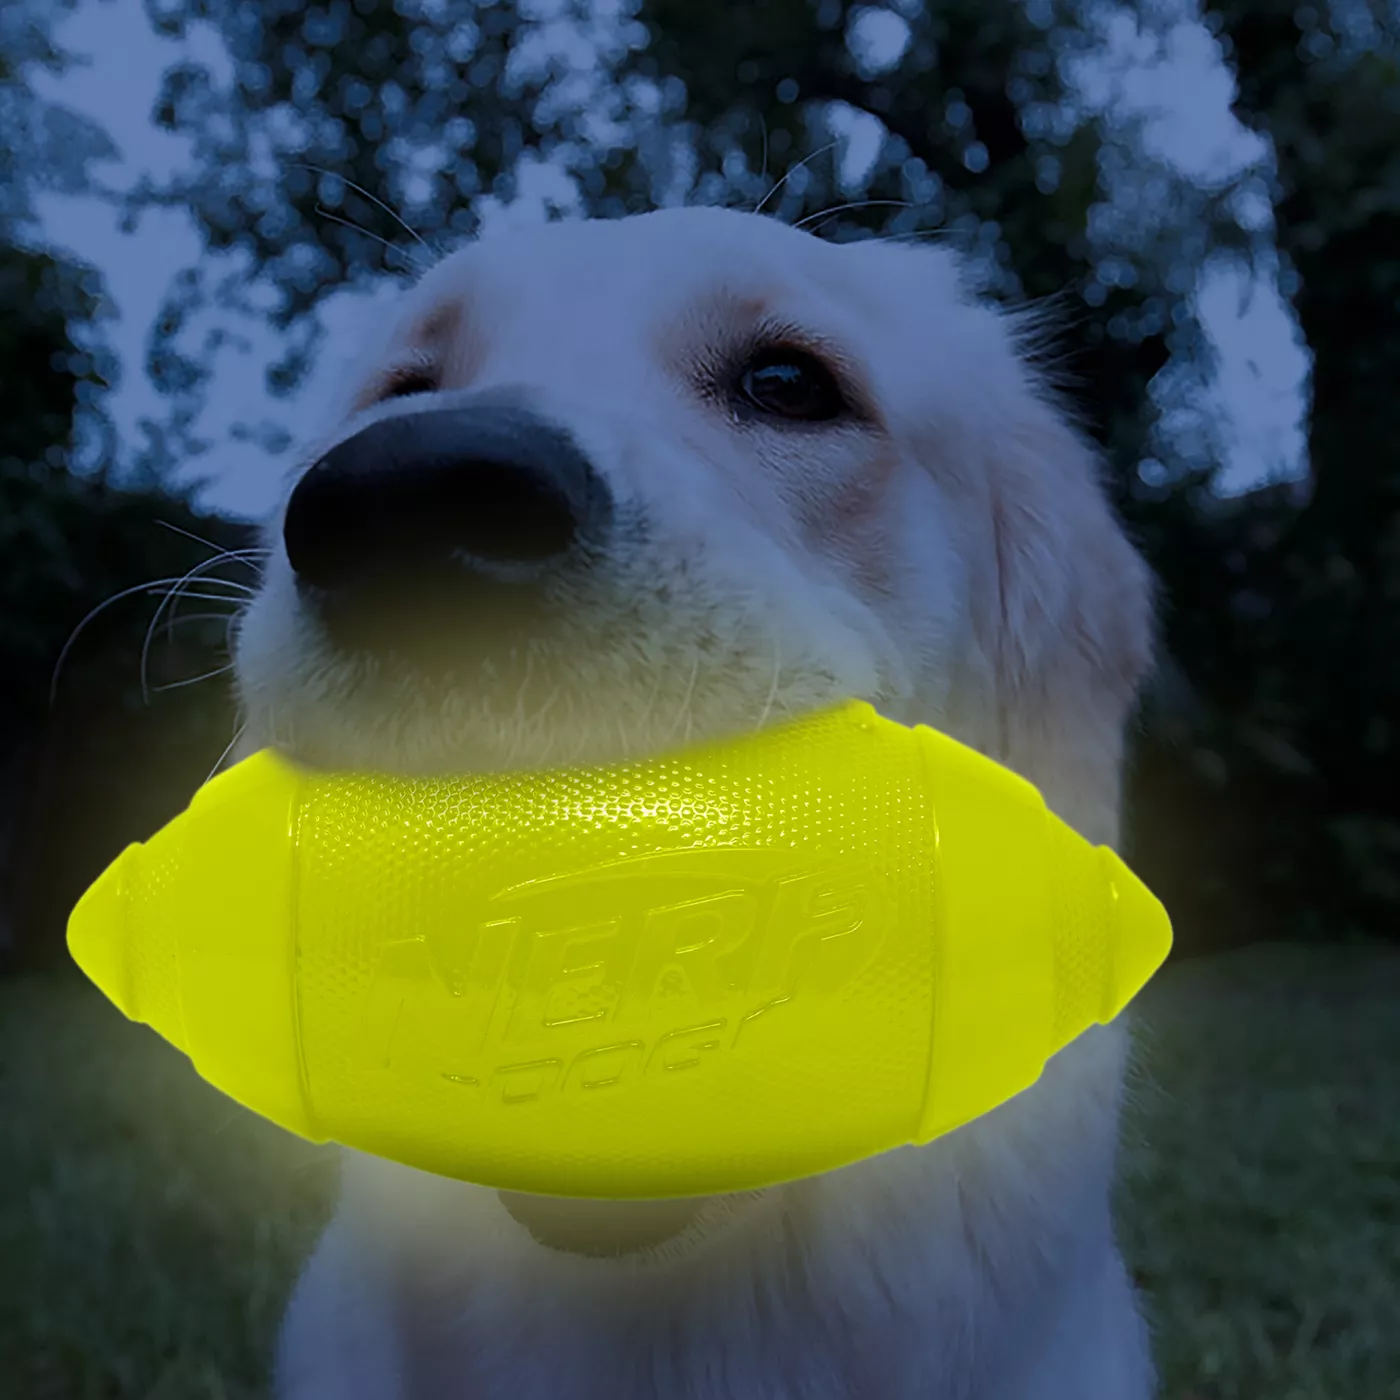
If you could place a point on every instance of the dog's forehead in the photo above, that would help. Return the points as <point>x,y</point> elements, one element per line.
<point>664,262</point>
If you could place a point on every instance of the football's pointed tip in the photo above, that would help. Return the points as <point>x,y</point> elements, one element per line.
<point>97,934</point>
<point>1142,938</point>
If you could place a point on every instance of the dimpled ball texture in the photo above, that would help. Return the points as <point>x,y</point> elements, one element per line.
<point>717,969</point>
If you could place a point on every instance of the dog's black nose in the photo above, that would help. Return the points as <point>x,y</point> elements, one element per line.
<point>460,507</point>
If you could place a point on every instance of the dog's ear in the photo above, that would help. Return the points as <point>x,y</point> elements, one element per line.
<point>1060,603</point>
<point>1073,630</point>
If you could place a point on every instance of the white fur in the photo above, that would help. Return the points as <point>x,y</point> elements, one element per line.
<point>954,562</point>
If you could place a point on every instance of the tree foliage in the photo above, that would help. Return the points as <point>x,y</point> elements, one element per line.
<point>1315,670</point>
<point>69,541</point>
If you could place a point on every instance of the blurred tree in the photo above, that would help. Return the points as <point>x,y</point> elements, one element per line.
<point>444,111</point>
<point>69,541</point>
<point>332,112</point>
<point>1314,683</point>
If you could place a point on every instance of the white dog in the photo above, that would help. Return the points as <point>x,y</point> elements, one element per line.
<point>681,475</point>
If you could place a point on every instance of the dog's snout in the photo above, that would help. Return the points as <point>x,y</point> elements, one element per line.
<point>448,504</point>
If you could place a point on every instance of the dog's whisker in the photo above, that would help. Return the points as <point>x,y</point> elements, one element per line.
<point>685,701</point>
<point>230,583</point>
<point>792,170</point>
<point>203,617</point>
<point>772,689</point>
<point>911,235</point>
<point>524,686</point>
<point>213,544</point>
<point>199,569</point>
<point>188,534</point>
<point>853,204</point>
<point>373,199</point>
<point>194,680</point>
<point>651,701</point>
<point>571,727</point>
<point>549,701</point>
<point>392,247</point>
<point>247,557</point>
<point>519,723</point>
<point>171,600</point>
<point>151,586</point>
<point>241,597</point>
<point>228,617</point>
<point>237,735</point>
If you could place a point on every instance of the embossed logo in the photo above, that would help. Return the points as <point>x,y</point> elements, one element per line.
<point>646,967</point>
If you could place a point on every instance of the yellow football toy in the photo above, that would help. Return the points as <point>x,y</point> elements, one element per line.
<point>718,969</point>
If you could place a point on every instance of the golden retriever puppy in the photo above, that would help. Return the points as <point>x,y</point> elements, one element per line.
<point>610,485</point>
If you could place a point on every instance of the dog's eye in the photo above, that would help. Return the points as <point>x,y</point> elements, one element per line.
<point>405,381</point>
<point>791,384</point>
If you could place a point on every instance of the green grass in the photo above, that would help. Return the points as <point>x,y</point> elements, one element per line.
<point>150,1229</point>
<point>1260,1205</point>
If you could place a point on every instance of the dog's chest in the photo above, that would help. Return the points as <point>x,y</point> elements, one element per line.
<point>766,1333</point>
